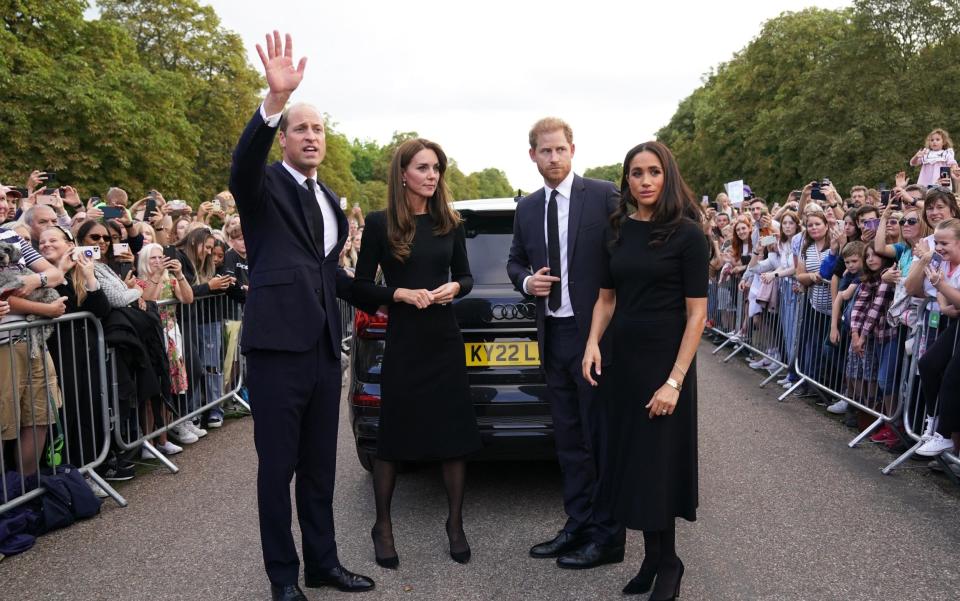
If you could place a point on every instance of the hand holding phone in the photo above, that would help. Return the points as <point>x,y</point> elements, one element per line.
<point>936,260</point>
<point>768,240</point>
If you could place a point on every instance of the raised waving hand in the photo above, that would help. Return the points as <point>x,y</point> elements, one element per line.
<point>282,77</point>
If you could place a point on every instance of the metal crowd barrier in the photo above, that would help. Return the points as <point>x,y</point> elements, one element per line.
<point>205,335</point>
<point>792,334</point>
<point>918,412</point>
<point>53,403</point>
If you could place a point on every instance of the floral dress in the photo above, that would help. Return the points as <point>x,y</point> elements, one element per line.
<point>168,316</point>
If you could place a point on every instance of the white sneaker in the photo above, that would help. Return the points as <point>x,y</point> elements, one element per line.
<point>839,408</point>
<point>168,448</point>
<point>183,434</point>
<point>929,427</point>
<point>760,363</point>
<point>99,492</point>
<point>936,445</point>
<point>193,429</point>
<point>784,380</point>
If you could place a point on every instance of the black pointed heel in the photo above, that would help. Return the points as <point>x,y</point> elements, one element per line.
<point>676,591</point>
<point>461,557</point>
<point>389,563</point>
<point>643,581</point>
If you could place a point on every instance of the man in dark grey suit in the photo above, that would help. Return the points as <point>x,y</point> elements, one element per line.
<point>559,233</point>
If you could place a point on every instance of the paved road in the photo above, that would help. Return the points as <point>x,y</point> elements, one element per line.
<point>787,512</point>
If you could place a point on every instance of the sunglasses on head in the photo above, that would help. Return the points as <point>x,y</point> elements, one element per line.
<point>910,221</point>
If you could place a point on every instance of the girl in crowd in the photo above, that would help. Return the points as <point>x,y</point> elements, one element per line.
<point>74,366</point>
<point>419,243</point>
<point>868,329</point>
<point>936,153</point>
<point>205,363</point>
<point>781,272</point>
<point>816,321</point>
<point>940,365</point>
<point>655,301</point>
<point>161,279</point>
<point>938,205</point>
<point>742,251</point>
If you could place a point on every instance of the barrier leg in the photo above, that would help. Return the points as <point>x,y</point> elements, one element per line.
<point>899,460</point>
<point>160,457</point>
<point>773,375</point>
<point>734,353</point>
<point>117,497</point>
<point>867,432</point>
<point>789,391</point>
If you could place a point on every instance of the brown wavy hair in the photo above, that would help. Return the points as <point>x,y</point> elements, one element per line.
<point>401,224</point>
<point>677,201</point>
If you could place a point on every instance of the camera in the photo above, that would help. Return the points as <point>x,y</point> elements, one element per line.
<point>90,252</point>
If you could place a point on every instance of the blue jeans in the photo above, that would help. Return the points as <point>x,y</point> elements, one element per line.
<point>206,385</point>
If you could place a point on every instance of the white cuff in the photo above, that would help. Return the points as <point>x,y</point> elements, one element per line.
<point>524,286</point>
<point>270,120</point>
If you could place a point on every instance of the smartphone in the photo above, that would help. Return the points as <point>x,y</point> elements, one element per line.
<point>152,194</point>
<point>871,224</point>
<point>90,252</point>
<point>768,241</point>
<point>46,199</point>
<point>112,213</point>
<point>178,205</point>
<point>120,248</point>
<point>815,192</point>
<point>149,209</point>
<point>935,261</point>
<point>884,197</point>
<point>944,172</point>
<point>343,203</point>
<point>170,252</point>
<point>94,199</point>
<point>124,269</point>
<point>51,175</point>
<point>49,191</point>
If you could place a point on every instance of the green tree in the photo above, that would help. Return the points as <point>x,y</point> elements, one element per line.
<point>491,183</point>
<point>610,173</point>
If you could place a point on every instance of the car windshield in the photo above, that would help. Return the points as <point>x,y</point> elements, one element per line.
<point>488,243</point>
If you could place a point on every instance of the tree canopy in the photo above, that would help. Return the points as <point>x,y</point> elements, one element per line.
<point>845,94</point>
<point>152,94</point>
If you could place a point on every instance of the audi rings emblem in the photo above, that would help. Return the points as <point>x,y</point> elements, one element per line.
<point>513,311</point>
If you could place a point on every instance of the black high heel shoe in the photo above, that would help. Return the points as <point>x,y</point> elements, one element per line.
<point>676,590</point>
<point>643,581</point>
<point>458,556</point>
<point>389,563</point>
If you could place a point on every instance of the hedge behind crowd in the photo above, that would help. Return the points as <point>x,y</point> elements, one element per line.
<point>152,94</point>
<point>848,95</point>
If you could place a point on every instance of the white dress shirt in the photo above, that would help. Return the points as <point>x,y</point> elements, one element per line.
<point>330,230</point>
<point>563,215</point>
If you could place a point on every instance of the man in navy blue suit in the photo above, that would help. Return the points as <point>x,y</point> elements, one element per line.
<point>294,229</point>
<point>559,234</point>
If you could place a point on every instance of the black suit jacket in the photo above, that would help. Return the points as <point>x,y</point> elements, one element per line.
<point>292,301</point>
<point>591,203</point>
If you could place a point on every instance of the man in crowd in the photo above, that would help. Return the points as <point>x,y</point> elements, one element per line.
<point>858,194</point>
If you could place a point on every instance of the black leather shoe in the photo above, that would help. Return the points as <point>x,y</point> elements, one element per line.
<point>287,592</point>
<point>340,578</point>
<point>562,543</point>
<point>590,555</point>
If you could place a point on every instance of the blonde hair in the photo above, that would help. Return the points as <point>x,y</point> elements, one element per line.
<point>947,142</point>
<point>547,125</point>
<point>143,262</point>
<point>952,225</point>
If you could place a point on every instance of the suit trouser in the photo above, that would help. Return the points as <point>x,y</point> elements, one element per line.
<point>295,400</point>
<point>579,428</point>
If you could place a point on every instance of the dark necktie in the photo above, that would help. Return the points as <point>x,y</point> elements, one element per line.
<point>315,215</point>
<point>553,250</point>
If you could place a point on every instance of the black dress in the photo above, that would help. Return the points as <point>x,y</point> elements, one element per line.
<point>651,463</point>
<point>425,411</point>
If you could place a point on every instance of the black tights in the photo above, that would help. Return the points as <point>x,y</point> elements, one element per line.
<point>660,551</point>
<point>384,481</point>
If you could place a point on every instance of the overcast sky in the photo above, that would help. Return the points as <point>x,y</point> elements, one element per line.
<point>473,76</point>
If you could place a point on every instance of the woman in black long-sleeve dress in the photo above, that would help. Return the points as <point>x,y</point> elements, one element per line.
<point>655,303</point>
<point>425,411</point>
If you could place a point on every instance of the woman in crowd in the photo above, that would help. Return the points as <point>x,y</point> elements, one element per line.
<point>94,233</point>
<point>162,279</point>
<point>76,347</point>
<point>205,318</point>
<point>778,269</point>
<point>816,319</point>
<point>655,301</point>
<point>419,243</point>
<point>180,226</point>
<point>940,366</point>
<point>742,251</point>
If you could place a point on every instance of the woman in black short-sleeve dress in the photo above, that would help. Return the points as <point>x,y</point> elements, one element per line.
<point>654,303</point>
<point>425,413</point>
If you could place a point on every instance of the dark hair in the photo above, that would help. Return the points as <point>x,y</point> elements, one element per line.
<point>677,201</point>
<point>203,270</point>
<point>868,274</point>
<point>865,209</point>
<point>935,194</point>
<point>85,228</point>
<point>852,214</point>
<point>401,223</point>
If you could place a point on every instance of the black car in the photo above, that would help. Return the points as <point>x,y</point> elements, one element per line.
<point>500,350</point>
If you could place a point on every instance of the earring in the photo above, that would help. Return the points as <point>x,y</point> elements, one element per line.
<point>404,183</point>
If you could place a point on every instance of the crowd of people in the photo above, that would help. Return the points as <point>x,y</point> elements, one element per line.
<point>162,279</point>
<point>845,291</point>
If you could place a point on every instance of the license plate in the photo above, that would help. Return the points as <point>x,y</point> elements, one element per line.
<point>494,354</point>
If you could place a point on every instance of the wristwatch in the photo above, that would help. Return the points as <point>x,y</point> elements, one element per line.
<point>43,280</point>
<point>674,384</point>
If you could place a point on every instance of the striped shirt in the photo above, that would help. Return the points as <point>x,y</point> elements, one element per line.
<point>819,294</point>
